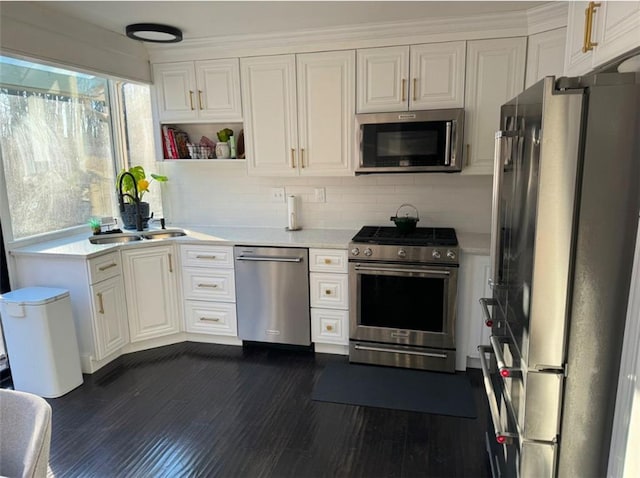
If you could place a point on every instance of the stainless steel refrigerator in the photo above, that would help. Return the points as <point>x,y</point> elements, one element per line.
<point>565,209</point>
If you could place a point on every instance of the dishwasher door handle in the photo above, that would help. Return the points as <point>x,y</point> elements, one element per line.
<point>269,258</point>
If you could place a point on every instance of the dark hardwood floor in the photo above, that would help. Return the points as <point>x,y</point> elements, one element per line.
<point>200,410</point>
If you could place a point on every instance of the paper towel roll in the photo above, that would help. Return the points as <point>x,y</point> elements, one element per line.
<point>292,213</point>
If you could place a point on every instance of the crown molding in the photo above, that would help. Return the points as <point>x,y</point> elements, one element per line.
<point>508,24</point>
<point>547,17</point>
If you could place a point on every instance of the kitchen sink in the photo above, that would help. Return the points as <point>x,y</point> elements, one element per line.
<point>114,238</point>
<point>163,234</point>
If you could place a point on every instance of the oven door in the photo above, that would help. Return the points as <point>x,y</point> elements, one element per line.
<point>404,304</point>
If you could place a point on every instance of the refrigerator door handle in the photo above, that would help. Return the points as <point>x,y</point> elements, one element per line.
<point>498,167</point>
<point>502,436</point>
<point>485,303</point>
<point>496,345</point>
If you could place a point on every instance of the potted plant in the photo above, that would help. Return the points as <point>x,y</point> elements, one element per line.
<point>130,193</point>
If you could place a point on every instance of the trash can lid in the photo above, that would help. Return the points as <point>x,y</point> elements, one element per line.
<point>34,295</point>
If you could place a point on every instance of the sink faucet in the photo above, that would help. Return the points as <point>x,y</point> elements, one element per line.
<point>134,198</point>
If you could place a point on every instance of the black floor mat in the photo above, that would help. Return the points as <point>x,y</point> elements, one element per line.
<point>396,388</point>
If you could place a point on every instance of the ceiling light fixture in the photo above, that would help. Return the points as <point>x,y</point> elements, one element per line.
<point>154,32</point>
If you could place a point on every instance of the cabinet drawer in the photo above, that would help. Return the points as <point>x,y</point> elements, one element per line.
<point>328,260</point>
<point>330,326</point>
<point>103,267</point>
<point>207,256</point>
<point>329,290</point>
<point>217,318</point>
<point>209,284</point>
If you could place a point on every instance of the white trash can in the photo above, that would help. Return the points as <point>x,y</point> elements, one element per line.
<point>41,341</point>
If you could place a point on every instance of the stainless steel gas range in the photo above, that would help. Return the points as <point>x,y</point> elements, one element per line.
<point>403,297</point>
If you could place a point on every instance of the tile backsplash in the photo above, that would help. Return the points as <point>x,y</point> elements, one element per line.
<point>223,194</point>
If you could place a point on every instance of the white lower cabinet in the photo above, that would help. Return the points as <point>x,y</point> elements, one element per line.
<point>473,284</point>
<point>208,285</point>
<point>330,326</point>
<point>329,296</point>
<point>97,295</point>
<point>151,287</point>
<point>110,316</point>
<point>217,318</point>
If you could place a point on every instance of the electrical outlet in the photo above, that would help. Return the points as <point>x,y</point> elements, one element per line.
<point>277,195</point>
<point>320,195</point>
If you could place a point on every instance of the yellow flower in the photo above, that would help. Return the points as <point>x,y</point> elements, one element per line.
<point>143,185</point>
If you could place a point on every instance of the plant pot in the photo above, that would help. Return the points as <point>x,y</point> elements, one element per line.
<point>129,215</point>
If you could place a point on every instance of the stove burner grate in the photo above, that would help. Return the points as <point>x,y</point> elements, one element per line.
<point>422,236</point>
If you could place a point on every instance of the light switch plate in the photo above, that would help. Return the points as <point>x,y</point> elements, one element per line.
<point>320,195</point>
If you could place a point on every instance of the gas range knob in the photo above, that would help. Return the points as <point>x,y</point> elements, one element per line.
<point>355,251</point>
<point>402,253</point>
<point>436,254</point>
<point>368,252</point>
<point>451,255</point>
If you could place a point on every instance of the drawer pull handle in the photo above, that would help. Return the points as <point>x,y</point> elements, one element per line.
<point>200,99</point>
<point>329,328</point>
<point>191,100</point>
<point>101,305</point>
<point>415,87</point>
<point>327,261</point>
<point>208,319</point>
<point>404,89</point>
<point>108,266</point>
<point>205,257</point>
<point>170,263</point>
<point>211,286</point>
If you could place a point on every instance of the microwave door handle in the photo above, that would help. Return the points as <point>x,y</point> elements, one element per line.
<point>447,144</point>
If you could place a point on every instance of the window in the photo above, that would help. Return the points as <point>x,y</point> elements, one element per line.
<point>137,126</point>
<point>57,146</point>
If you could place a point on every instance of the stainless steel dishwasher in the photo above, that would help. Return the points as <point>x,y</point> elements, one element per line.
<point>272,294</point>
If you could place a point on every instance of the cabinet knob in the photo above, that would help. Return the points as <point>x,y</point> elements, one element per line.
<point>327,292</point>
<point>327,261</point>
<point>329,328</point>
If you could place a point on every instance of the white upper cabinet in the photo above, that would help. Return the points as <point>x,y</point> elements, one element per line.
<point>412,77</point>
<point>599,32</point>
<point>198,91</point>
<point>545,55</point>
<point>495,74</point>
<point>299,113</point>
<point>382,79</point>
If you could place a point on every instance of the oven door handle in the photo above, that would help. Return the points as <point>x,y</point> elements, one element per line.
<point>502,436</point>
<point>396,351</point>
<point>399,269</point>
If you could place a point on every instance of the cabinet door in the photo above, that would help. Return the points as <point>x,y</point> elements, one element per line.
<point>437,75</point>
<point>175,86</point>
<point>110,316</point>
<point>495,74</point>
<point>269,99</point>
<point>150,286</point>
<point>330,326</point>
<point>545,55</point>
<point>326,85</point>
<point>618,30</point>
<point>329,291</point>
<point>383,75</point>
<point>577,62</point>
<point>218,95</point>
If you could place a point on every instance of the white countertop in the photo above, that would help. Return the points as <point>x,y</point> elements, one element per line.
<point>80,247</point>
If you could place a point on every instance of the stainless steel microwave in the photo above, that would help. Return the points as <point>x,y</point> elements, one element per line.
<point>410,141</point>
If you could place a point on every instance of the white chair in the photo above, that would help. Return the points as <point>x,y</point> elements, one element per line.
<point>25,434</point>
